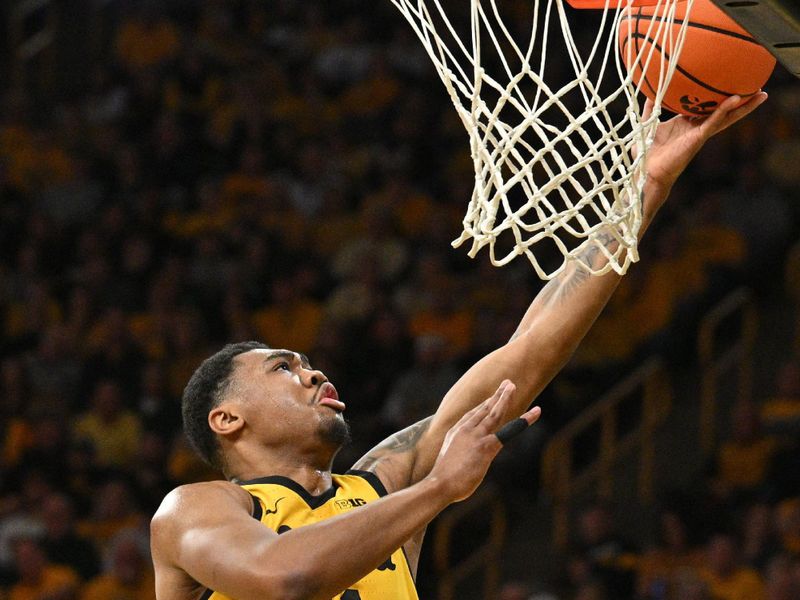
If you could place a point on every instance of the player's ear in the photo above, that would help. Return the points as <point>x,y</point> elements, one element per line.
<point>225,419</point>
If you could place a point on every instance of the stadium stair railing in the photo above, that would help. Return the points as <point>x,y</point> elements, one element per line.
<point>791,284</point>
<point>649,388</point>
<point>484,558</point>
<point>725,342</point>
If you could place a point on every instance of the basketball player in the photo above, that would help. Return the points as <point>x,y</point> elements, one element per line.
<point>283,526</point>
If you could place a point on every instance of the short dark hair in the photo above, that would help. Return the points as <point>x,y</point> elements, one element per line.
<point>205,390</point>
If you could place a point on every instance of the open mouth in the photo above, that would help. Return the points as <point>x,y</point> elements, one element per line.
<point>328,396</point>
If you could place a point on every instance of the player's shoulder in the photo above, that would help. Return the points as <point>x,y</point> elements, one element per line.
<point>186,501</point>
<point>360,479</point>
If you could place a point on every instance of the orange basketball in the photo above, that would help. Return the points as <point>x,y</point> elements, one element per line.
<point>719,58</point>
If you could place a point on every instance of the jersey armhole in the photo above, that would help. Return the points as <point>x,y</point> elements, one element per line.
<point>371,479</point>
<point>258,510</point>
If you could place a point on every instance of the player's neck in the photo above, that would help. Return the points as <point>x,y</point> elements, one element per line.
<point>312,472</point>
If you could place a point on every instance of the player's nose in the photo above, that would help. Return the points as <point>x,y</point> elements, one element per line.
<point>313,377</point>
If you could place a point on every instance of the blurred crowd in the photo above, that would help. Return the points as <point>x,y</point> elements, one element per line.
<point>290,172</point>
<point>733,535</point>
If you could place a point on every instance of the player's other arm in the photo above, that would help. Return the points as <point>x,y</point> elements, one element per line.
<point>557,319</point>
<point>206,530</point>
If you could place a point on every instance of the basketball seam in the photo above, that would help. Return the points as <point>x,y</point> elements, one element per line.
<point>703,26</point>
<point>688,75</point>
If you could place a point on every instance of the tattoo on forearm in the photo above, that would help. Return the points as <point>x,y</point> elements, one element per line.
<point>572,278</point>
<point>400,442</point>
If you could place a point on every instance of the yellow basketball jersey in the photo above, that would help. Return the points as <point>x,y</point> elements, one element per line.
<point>282,505</point>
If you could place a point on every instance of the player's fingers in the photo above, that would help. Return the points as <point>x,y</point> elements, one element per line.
<point>714,122</point>
<point>477,414</point>
<point>532,415</point>
<point>742,110</point>
<point>473,415</point>
<point>648,109</point>
<point>517,426</point>
<point>495,416</point>
<point>731,111</point>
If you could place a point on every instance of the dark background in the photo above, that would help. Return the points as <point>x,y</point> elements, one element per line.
<point>177,175</point>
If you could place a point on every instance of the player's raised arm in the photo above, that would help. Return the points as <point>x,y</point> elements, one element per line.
<point>204,534</point>
<point>557,319</point>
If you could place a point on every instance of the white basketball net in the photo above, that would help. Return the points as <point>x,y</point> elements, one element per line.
<point>558,164</point>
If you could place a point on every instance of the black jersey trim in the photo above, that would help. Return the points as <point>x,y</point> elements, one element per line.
<point>312,501</point>
<point>207,594</point>
<point>258,510</point>
<point>371,479</point>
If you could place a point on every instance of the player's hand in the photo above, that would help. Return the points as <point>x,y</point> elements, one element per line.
<point>679,139</point>
<point>471,444</point>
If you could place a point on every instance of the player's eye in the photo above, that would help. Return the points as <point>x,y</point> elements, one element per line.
<point>283,365</point>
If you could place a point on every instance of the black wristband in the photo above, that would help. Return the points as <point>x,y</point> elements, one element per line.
<point>511,429</point>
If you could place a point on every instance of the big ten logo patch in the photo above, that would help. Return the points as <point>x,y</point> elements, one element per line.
<point>348,503</point>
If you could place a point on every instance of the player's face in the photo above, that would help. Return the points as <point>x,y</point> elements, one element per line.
<point>286,401</point>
